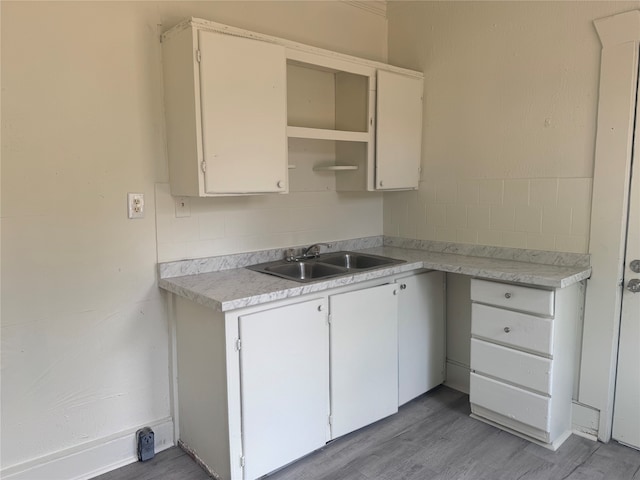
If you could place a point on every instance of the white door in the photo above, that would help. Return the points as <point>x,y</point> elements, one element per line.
<point>626,413</point>
<point>243,88</point>
<point>398,131</point>
<point>284,361</point>
<point>364,357</point>
<point>421,334</point>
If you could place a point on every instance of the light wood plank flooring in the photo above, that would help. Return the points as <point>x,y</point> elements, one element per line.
<point>431,438</point>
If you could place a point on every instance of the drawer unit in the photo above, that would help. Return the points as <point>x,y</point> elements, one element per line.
<point>519,330</point>
<point>520,368</point>
<point>522,358</point>
<point>516,297</point>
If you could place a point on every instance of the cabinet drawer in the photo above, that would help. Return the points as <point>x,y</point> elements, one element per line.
<point>527,299</point>
<point>511,402</point>
<point>512,328</point>
<point>525,369</point>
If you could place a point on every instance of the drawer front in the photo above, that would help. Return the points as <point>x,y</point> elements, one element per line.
<point>512,402</point>
<point>512,328</point>
<point>525,369</point>
<point>527,299</point>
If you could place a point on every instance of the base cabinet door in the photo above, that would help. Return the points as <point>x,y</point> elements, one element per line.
<point>364,357</point>
<point>421,334</point>
<point>284,362</point>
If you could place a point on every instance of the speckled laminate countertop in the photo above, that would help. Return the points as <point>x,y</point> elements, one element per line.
<point>239,287</point>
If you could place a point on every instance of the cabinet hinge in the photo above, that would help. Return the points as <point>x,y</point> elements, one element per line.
<point>242,461</point>
<point>198,56</point>
<point>238,344</point>
<point>329,319</point>
<point>203,166</point>
<point>330,420</point>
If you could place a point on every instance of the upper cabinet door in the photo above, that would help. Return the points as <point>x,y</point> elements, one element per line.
<point>398,131</point>
<point>244,117</point>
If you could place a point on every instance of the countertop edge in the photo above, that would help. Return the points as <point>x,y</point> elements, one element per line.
<point>293,289</point>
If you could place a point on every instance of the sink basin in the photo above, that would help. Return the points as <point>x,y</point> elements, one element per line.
<point>356,261</point>
<point>325,266</point>
<point>304,270</point>
<point>299,271</point>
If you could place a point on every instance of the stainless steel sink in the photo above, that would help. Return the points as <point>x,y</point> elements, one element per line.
<point>303,271</point>
<point>357,261</point>
<point>324,266</point>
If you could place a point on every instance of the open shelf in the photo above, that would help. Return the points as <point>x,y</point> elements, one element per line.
<point>335,168</point>
<point>326,134</point>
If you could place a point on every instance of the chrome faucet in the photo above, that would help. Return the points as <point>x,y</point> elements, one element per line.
<point>314,250</point>
<point>310,252</point>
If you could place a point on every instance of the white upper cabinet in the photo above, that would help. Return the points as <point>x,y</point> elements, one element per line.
<point>225,103</point>
<point>398,131</point>
<point>243,114</point>
<point>238,104</point>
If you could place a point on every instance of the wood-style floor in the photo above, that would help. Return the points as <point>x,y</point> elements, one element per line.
<point>431,438</point>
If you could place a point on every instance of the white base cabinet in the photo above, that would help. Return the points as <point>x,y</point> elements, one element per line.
<point>523,358</point>
<point>364,357</point>
<point>421,334</point>
<point>284,365</point>
<point>259,387</point>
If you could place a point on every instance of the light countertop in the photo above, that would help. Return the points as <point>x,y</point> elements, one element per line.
<point>240,287</point>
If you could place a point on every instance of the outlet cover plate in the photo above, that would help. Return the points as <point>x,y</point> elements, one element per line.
<point>135,205</point>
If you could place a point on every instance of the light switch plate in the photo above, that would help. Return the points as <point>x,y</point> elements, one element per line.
<point>135,204</point>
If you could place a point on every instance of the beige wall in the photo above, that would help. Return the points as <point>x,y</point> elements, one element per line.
<point>510,107</point>
<point>511,91</point>
<point>85,347</point>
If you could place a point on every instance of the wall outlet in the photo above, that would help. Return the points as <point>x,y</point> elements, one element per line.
<point>135,204</point>
<point>146,444</point>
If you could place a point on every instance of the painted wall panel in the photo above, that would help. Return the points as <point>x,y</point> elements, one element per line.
<point>85,342</point>
<point>509,121</point>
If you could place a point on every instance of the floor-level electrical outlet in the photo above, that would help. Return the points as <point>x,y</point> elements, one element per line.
<point>135,204</point>
<point>183,207</point>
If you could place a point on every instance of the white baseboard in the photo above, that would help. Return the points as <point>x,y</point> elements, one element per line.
<point>457,376</point>
<point>91,459</point>
<point>585,421</point>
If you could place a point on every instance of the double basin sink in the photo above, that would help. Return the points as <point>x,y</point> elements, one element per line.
<point>324,266</point>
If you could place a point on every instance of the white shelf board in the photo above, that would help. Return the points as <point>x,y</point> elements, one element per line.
<point>335,168</point>
<point>324,134</point>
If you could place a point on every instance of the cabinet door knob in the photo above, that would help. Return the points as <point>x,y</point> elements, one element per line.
<point>507,329</point>
<point>507,295</point>
<point>279,184</point>
<point>381,184</point>
<point>319,308</point>
<point>395,292</point>
<point>403,286</point>
<point>634,285</point>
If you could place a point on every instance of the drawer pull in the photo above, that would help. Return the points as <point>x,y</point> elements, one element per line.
<point>507,329</point>
<point>507,295</point>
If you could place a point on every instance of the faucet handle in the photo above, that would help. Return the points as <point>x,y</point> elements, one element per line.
<point>290,255</point>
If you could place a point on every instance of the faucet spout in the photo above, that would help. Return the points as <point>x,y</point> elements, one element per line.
<point>314,250</point>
